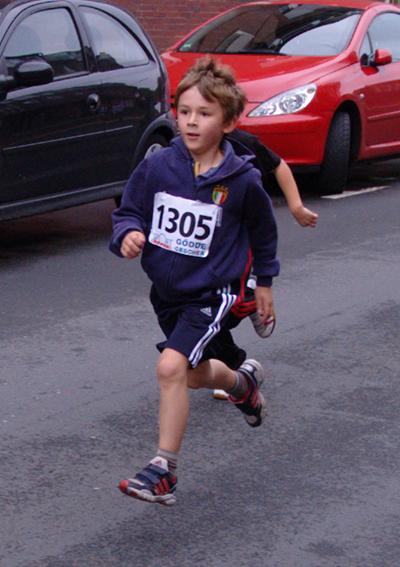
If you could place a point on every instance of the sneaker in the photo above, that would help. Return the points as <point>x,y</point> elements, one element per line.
<point>220,395</point>
<point>223,395</point>
<point>253,404</point>
<point>263,330</point>
<point>153,484</point>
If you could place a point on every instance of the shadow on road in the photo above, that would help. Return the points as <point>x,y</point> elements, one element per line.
<point>56,232</point>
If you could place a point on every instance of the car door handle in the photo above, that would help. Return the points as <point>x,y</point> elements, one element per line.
<point>93,102</point>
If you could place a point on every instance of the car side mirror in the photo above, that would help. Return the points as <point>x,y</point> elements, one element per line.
<point>6,84</point>
<point>382,57</point>
<point>33,72</point>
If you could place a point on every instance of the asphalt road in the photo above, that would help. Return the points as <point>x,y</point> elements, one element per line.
<point>317,486</point>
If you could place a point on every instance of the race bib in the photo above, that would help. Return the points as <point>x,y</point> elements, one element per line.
<point>182,225</point>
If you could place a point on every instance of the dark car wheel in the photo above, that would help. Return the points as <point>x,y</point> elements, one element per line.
<point>334,170</point>
<point>154,143</point>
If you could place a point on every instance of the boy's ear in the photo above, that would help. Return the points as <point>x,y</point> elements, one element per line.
<point>230,126</point>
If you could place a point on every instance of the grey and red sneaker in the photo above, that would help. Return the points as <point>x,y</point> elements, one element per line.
<point>153,484</point>
<point>263,330</point>
<point>253,404</point>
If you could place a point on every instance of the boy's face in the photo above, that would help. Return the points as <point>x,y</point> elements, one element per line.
<point>201,122</point>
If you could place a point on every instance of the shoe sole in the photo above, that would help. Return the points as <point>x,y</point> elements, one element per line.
<point>259,376</point>
<point>262,415</point>
<point>263,331</point>
<point>146,496</point>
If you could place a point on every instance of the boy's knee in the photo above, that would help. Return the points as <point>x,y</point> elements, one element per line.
<point>172,367</point>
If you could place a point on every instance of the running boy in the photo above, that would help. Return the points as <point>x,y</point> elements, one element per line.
<point>192,211</point>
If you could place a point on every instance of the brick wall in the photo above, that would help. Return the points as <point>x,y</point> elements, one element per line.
<point>168,20</point>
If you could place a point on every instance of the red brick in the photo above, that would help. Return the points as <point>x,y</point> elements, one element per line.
<point>167,21</point>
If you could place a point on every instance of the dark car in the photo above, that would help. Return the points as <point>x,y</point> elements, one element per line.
<point>83,97</point>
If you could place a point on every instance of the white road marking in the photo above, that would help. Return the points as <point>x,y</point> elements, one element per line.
<point>346,194</point>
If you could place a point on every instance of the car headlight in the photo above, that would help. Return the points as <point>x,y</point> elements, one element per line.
<point>287,102</point>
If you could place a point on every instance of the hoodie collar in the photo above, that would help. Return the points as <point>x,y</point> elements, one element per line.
<point>231,163</point>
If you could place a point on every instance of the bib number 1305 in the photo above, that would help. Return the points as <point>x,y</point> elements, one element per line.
<point>182,225</point>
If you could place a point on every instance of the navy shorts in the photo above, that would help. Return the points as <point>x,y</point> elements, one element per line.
<point>195,328</point>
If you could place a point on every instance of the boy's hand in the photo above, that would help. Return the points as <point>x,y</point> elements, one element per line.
<point>264,302</point>
<point>304,216</point>
<point>132,244</point>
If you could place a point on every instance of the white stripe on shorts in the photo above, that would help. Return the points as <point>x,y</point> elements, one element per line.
<point>214,327</point>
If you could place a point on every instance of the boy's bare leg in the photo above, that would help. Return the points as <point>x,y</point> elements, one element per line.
<point>172,371</point>
<point>211,374</point>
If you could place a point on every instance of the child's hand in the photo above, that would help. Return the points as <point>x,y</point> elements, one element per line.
<point>264,302</point>
<point>132,244</point>
<point>304,216</point>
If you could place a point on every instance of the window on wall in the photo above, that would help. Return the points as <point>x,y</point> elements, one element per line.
<point>50,35</point>
<point>114,46</point>
<point>384,33</point>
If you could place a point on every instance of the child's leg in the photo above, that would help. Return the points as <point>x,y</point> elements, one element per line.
<point>157,481</point>
<point>172,374</point>
<point>211,374</point>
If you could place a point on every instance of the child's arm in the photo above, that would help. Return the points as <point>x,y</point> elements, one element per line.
<point>288,185</point>
<point>129,218</point>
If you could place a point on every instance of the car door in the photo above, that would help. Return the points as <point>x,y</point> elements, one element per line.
<point>382,86</point>
<point>131,84</point>
<point>51,135</point>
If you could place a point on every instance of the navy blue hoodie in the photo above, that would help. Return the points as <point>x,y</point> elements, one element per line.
<point>245,219</point>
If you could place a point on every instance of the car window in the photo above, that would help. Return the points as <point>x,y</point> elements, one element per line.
<point>51,35</point>
<point>385,34</point>
<point>114,45</point>
<point>286,29</point>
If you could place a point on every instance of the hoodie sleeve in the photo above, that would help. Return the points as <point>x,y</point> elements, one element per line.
<point>262,230</point>
<point>131,213</point>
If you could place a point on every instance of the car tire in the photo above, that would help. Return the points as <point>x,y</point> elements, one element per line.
<point>154,143</point>
<point>335,166</point>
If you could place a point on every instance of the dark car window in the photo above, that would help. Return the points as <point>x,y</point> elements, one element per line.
<point>114,45</point>
<point>50,34</point>
<point>385,34</point>
<point>286,29</point>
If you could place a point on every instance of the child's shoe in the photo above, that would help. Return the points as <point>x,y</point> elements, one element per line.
<point>253,404</point>
<point>220,394</point>
<point>153,484</point>
<point>263,330</point>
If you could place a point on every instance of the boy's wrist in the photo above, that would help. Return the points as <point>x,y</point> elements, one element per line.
<point>295,206</point>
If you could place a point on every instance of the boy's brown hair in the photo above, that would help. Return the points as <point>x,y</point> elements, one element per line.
<point>216,82</point>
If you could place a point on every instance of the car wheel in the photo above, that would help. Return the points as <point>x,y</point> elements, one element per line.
<point>154,143</point>
<point>334,170</point>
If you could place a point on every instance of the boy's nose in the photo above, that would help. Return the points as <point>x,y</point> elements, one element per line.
<point>192,119</point>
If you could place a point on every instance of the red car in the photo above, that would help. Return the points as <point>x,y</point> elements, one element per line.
<point>322,79</point>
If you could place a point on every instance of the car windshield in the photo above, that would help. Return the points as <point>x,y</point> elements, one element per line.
<point>279,29</point>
